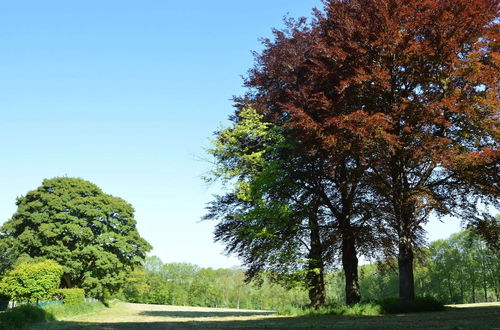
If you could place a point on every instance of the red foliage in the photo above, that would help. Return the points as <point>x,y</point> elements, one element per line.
<point>408,88</point>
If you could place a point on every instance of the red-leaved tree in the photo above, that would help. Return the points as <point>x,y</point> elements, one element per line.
<point>401,97</point>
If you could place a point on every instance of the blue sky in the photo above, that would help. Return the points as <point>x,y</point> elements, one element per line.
<point>126,94</point>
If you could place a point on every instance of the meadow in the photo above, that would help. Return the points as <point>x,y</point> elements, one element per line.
<point>143,316</point>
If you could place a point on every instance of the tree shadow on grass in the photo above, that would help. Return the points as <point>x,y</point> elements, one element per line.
<point>454,318</point>
<point>196,314</point>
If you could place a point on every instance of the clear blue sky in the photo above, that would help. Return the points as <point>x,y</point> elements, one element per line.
<point>126,94</point>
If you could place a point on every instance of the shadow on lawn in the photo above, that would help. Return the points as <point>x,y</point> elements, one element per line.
<point>193,314</point>
<point>452,318</point>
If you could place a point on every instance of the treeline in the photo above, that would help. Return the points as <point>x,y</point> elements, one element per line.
<point>461,269</point>
<point>185,284</point>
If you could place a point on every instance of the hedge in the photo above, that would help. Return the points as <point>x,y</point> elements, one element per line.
<point>70,296</point>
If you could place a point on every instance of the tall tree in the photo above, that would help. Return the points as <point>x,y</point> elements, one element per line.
<point>403,96</point>
<point>289,87</point>
<point>268,218</point>
<point>91,234</point>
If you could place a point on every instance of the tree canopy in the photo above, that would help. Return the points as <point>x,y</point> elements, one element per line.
<point>399,103</point>
<point>91,234</point>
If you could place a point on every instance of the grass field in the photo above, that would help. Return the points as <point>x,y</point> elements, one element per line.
<point>140,316</point>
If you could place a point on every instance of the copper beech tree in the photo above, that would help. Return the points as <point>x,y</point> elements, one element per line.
<point>401,99</point>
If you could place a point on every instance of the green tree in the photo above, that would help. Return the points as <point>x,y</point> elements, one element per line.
<point>91,234</point>
<point>268,218</point>
<point>204,290</point>
<point>32,282</point>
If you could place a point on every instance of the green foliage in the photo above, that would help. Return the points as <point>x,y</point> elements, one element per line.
<point>19,317</point>
<point>394,305</point>
<point>186,284</point>
<point>70,296</point>
<point>32,282</point>
<point>8,254</point>
<point>91,234</point>
<point>59,311</point>
<point>460,269</point>
<point>267,218</point>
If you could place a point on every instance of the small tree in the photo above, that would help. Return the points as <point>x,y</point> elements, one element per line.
<point>32,282</point>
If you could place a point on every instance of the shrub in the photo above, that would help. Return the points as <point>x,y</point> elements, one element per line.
<point>394,305</point>
<point>31,282</point>
<point>21,316</point>
<point>70,296</point>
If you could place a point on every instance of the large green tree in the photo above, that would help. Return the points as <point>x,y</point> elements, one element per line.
<point>93,235</point>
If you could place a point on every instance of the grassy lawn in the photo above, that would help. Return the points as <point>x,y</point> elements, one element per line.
<point>139,316</point>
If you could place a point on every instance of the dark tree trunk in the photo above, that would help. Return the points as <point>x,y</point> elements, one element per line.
<point>404,211</point>
<point>473,283</point>
<point>405,265</point>
<point>67,281</point>
<point>315,275</point>
<point>350,265</point>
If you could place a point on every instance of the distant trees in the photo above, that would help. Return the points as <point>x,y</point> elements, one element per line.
<point>185,284</point>
<point>391,109</point>
<point>92,235</point>
<point>31,282</point>
<point>460,269</point>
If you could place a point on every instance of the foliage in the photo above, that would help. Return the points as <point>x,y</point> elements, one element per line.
<point>7,253</point>
<point>91,234</point>
<point>268,218</point>
<point>73,296</point>
<point>19,317</point>
<point>31,282</point>
<point>471,274</point>
<point>400,96</point>
<point>460,269</point>
<point>186,284</point>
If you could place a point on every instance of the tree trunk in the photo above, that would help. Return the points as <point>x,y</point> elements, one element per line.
<point>67,281</point>
<point>350,265</point>
<point>317,293</point>
<point>405,265</point>
<point>315,274</point>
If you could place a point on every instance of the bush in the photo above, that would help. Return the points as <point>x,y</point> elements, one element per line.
<point>70,296</point>
<point>31,282</point>
<point>21,316</point>
<point>394,305</point>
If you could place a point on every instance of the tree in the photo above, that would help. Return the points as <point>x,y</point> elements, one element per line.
<point>91,234</point>
<point>32,282</point>
<point>268,219</point>
<point>403,96</point>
